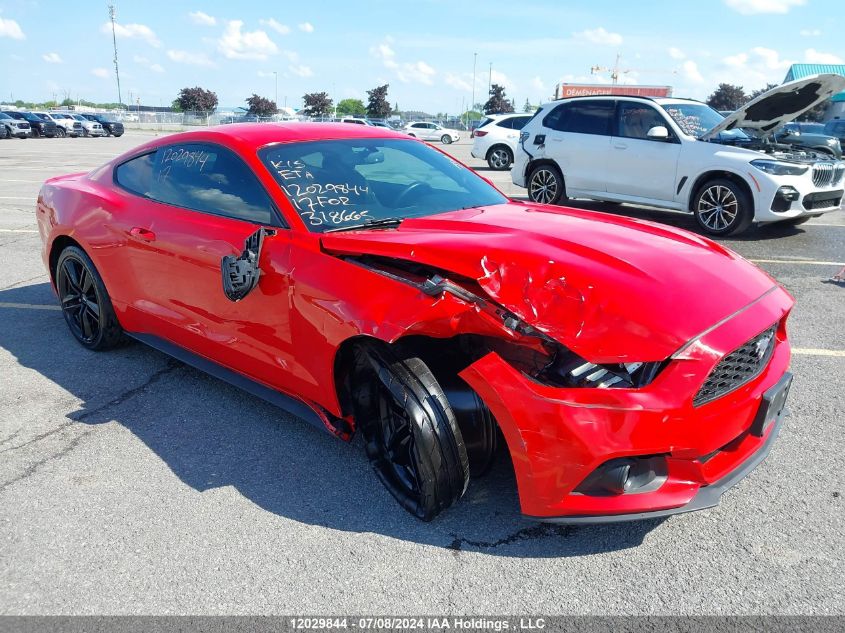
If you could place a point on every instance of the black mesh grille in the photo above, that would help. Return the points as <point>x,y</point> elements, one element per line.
<point>738,367</point>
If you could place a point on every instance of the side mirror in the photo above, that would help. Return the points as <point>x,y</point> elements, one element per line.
<point>658,133</point>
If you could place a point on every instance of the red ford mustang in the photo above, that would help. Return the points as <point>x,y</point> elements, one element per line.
<point>367,281</point>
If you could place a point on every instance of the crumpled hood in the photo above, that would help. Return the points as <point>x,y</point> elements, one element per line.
<point>611,289</point>
<point>780,105</point>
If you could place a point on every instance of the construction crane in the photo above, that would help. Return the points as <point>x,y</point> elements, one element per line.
<point>615,71</point>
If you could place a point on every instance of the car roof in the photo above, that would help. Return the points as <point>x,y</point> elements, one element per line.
<point>253,136</point>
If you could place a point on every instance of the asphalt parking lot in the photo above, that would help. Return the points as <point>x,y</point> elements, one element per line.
<point>132,484</point>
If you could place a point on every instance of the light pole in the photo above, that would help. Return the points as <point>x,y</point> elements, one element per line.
<point>490,79</point>
<point>114,41</point>
<point>474,62</point>
<point>276,79</point>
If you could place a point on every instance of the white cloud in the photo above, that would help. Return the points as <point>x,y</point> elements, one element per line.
<point>264,73</point>
<point>281,29</point>
<point>203,19</point>
<point>306,27</point>
<point>810,32</point>
<point>457,82</point>
<point>238,44</point>
<point>157,68</point>
<point>406,72</point>
<point>771,58</point>
<point>502,79</point>
<point>102,73</point>
<point>132,31</point>
<point>301,70</point>
<point>52,58</point>
<point>676,53</point>
<point>537,84</point>
<point>599,36</point>
<point>755,68</point>
<point>736,60</point>
<point>691,72</point>
<point>752,7</point>
<point>812,56</point>
<point>138,59</point>
<point>192,59</point>
<point>10,28</point>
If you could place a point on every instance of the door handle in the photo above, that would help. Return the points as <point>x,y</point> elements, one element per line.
<point>142,234</point>
<point>620,146</point>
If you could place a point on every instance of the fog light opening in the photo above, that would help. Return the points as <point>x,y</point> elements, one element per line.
<point>627,475</point>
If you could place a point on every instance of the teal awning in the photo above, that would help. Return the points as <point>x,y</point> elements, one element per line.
<point>799,71</point>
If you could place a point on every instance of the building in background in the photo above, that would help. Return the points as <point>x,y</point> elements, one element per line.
<point>566,90</point>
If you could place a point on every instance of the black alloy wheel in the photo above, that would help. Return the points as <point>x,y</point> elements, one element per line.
<point>85,303</point>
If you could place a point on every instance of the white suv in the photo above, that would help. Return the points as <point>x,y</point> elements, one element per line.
<point>495,140</point>
<point>681,154</point>
<point>431,132</point>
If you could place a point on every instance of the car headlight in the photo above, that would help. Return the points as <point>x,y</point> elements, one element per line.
<point>777,168</point>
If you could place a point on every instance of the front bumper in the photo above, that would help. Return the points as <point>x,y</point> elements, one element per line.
<point>805,199</point>
<point>557,437</point>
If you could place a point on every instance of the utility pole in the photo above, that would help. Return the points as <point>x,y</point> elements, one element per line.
<point>276,78</point>
<point>474,61</point>
<point>490,79</point>
<point>114,42</point>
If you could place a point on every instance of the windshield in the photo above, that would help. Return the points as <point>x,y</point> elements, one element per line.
<point>696,118</point>
<point>347,183</point>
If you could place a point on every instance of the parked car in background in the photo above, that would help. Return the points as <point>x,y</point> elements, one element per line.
<point>681,154</point>
<point>14,127</point>
<point>89,127</point>
<point>810,136</point>
<point>39,126</point>
<point>355,121</point>
<point>836,128</point>
<point>431,132</point>
<point>65,125</point>
<point>111,126</point>
<point>496,139</point>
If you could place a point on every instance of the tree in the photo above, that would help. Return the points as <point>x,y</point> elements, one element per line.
<point>528,107</point>
<point>727,97</point>
<point>759,91</point>
<point>317,104</point>
<point>378,107</point>
<point>196,99</point>
<point>354,107</point>
<point>471,115</point>
<point>497,103</point>
<point>261,106</point>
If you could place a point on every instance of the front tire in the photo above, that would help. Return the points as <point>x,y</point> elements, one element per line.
<point>500,158</point>
<point>446,139</point>
<point>721,207</point>
<point>60,132</point>
<point>85,302</point>
<point>546,185</point>
<point>412,437</point>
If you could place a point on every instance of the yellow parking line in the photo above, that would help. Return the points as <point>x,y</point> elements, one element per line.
<point>803,262</point>
<point>809,351</point>
<point>28,306</point>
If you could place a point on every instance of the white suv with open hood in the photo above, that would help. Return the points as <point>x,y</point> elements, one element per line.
<point>681,154</point>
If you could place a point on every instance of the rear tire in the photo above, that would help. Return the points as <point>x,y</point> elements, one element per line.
<point>722,208</point>
<point>412,437</point>
<point>546,185</point>
<point>60,132</point>
<point>500,158</point>
<point>446,139</point>
<point>85,302</point>
<point>7,133</point>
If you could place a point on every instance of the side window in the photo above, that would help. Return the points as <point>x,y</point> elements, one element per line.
<point>136,175</point>
<point>518,122</point>
<point>506,123</point>
<point>636,119</point>
<point>589,117</point>
<point>557,117</point>
<point>418,125</point>
<point>209,178</point>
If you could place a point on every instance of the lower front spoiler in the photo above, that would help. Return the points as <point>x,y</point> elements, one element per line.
<point>706,497</point>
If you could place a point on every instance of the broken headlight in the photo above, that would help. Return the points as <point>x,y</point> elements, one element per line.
<point>567,369</point>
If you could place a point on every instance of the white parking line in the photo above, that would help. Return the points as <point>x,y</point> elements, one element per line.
<point>809,351</point>
<point>29,306</point>
<point>804,262</point>
<point>18,230</point>
<point>16,197</point>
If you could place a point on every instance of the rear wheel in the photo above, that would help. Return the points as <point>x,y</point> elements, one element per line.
<point>500,158</point>
<point>412,437</point>
<point>446,139</point>
<point>545,185</point>
<point>7,133</point>
<point>721,207</point>
<point>60,132</point>
<point>85,303</point>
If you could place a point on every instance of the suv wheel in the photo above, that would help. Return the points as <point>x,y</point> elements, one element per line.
<point>722,208</point>
<point>500,158</point>
<point>60,132</point>
<point>545,185</point>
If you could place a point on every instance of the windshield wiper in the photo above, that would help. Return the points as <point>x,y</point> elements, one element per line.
<point>368,224</point>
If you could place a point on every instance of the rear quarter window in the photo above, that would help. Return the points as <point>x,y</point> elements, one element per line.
<point>136,175</point>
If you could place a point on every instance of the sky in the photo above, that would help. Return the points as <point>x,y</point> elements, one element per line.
<point>425,50</point>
